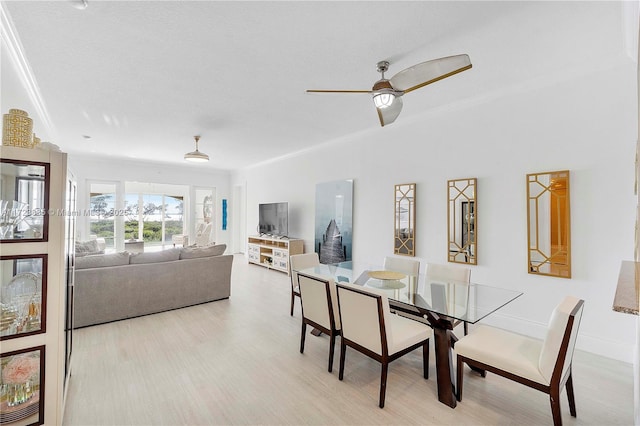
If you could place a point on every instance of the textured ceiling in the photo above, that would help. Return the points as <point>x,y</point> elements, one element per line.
<point>142,78</point>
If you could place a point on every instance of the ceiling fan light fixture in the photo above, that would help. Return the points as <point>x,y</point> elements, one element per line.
<point>383,100</point>
<point>387,93</point>
<point>79,4</point>
<point>383,92</point>
<point>196,156</point>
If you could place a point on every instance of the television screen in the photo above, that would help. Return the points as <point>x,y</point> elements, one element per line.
<point>274,219</point>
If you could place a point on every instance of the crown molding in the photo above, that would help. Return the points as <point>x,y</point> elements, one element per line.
<point>15,51</point>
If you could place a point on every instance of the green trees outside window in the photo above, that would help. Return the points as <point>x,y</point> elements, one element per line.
<point>159,215</point>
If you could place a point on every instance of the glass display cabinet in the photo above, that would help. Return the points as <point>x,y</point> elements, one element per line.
<point>37,225</point>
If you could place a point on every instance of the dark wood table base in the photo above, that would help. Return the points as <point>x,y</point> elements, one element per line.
<point>444,339</point>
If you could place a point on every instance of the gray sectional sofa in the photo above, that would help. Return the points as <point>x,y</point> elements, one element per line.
<point>117,286</point>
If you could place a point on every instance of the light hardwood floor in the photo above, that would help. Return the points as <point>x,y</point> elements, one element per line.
<point>237,361</point>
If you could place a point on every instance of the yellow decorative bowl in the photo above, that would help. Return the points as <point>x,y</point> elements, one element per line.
<point>387,275</point>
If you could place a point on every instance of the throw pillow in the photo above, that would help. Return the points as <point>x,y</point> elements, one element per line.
<point>84,248</point>
<point>155,256</point>
<point>196,252</point>
<point>102,260</point>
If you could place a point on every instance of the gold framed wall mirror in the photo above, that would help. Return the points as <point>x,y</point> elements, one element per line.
<point>549,224</point>
<point>462,220</point>
<point>405,219</point>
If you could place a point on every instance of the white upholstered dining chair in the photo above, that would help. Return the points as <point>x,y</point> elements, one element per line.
<point>544,365</point>
<point>319,309</point>
<point>296,263</point>
<point>448,272</point>
<point>452,273</point>
<point>369,327</point>
<point>405,265</point>
<point>409,266</point>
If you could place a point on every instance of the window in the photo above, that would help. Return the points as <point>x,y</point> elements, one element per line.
<point>102,201</point>
<point>149,212</point>
<point>173,217</point>
<point>153,218</point>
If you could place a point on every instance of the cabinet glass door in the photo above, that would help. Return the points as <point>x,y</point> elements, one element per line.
<point>70,232</point>
<point>24,200</point>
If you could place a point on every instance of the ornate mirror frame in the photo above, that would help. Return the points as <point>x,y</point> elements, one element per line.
<point>404,240</point>
<point>549,224</point>
<point>462,220</point>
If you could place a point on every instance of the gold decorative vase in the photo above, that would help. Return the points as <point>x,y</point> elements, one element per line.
<point>17,129</point>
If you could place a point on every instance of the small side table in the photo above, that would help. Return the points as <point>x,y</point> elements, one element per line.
<point>134,246</point>
<point>180,239</point>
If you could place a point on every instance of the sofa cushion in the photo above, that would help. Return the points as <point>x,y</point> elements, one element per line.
<point>85,248</point>
<point>102,260</point>
<point>155,256</point>
<point>196,252</point>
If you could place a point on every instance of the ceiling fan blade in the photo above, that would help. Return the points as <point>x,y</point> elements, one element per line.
<point>429,72</point>
<point>389,114</point>
<point>338,91</point>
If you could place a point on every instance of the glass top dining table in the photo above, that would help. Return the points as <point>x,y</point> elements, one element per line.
<point>443,303</point>
<point>461,301</point>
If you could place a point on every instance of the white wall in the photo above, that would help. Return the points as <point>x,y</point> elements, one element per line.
<point>91,169</point>
<point>586,124</point>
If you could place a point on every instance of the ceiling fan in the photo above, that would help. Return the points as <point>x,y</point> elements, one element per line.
<point>387,93</point>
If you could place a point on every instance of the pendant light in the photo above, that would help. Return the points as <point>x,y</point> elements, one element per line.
<point>196,156</point>
<point>79,4</point>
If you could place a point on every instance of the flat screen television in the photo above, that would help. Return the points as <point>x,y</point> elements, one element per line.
<point>274,219</point>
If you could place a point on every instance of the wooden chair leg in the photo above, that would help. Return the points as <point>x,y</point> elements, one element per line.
<point>572,401</point>
<point>383,383</point>
<point>293,297</point>
<point>302,334</point>
<point>459,378</point>
<point>332,343</point>
<point>466,326</point>
<point>425,359</point>
<point>554,398</point>
<point>343,352</point>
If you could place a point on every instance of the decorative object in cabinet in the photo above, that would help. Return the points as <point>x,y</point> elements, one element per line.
<point>22,382</point>
<point>23,295</point>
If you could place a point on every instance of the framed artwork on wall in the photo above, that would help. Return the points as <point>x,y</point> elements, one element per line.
<point>334,221</point>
